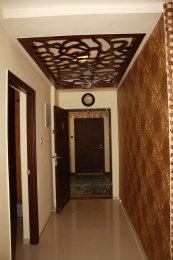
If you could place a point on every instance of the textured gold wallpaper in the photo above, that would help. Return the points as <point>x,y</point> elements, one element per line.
<point>144,147</point>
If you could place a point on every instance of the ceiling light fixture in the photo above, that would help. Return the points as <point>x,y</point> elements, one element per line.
<point>82,58</point>
<point>89,83</point>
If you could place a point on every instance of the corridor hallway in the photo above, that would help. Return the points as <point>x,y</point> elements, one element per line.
<point>85,230</point>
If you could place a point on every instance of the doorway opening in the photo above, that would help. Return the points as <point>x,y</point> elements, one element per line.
<point>15,88</point>
<point>90,153</point>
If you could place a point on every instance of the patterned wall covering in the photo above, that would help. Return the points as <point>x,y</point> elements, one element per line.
<point>144,147</point>
<point>168,18</point>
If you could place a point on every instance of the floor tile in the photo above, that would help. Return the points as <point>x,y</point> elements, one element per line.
<point>85,230</point>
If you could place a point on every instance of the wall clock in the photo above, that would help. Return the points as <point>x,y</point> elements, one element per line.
<point>88,99</point>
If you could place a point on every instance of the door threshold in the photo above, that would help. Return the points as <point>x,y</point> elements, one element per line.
<point>91,197</point>
<point>90,174</point>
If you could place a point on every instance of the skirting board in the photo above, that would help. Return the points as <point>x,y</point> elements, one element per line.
<point>45,224</point>
<point>135,235</point>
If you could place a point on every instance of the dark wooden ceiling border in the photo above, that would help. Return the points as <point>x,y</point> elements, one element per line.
<point>68,69</point>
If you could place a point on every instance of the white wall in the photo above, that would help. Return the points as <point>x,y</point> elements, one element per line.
<point>103,99</point>
<point>13,59</point>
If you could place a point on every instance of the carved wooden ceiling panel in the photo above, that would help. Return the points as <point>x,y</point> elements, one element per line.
<point>83,61</point>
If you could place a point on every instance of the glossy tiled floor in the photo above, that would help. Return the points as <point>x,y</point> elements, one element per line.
<point>85,230</point>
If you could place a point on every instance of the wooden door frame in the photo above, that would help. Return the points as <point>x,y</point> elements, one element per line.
<point>31,154</point>
<point>110,137</point>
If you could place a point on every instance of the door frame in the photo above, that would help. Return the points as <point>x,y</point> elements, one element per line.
<point>31,153</point>
<point>110,139</point>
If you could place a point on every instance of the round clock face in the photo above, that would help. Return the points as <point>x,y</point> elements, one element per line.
<point>88,99</point>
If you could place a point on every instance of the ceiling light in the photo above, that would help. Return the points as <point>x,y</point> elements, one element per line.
<point>83,57</point>
<point>82,61</point>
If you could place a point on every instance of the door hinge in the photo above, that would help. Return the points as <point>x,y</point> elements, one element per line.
<point>28,172</point>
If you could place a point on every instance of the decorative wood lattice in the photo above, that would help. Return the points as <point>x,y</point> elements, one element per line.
<point>168,17</point>
<point>84,61</point>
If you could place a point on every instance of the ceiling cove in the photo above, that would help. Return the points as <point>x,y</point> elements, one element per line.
<point>83,61</point>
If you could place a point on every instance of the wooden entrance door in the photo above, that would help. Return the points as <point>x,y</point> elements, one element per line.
<point>61,158</point>
<point>89,145</point>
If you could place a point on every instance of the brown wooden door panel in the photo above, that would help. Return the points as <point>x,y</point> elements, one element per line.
<point>62,150</point>
<point>89,145</point>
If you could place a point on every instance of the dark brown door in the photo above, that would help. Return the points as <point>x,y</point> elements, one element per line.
<point>12,167</point>
<point>89,145</point>
<point>62,158</point>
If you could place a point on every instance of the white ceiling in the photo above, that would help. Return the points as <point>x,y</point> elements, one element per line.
<point>38,18</point>
<point>23,18</point>
<point>51,3</point>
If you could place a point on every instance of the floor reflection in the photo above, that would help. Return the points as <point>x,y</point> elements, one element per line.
<point>85,230</point>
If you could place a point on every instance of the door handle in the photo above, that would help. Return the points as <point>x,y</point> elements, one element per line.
<point>100,146</point>
<point>55,156</point>
<point>56,159</point>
